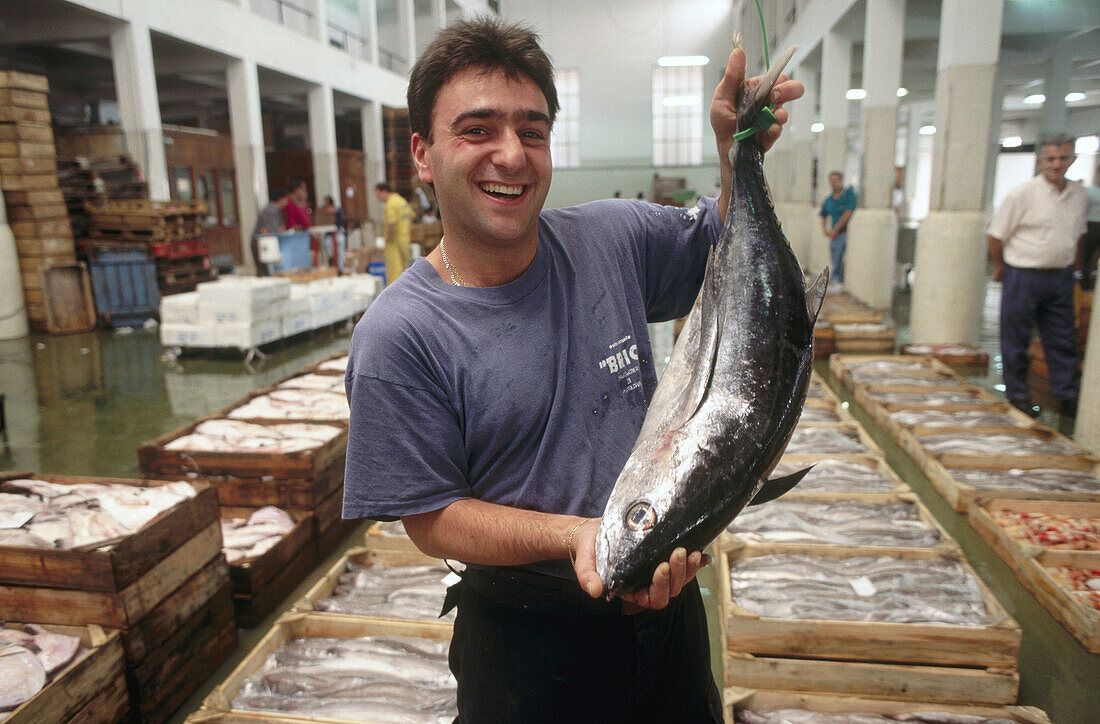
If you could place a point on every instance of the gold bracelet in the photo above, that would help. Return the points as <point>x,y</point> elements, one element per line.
<point>569,540</point>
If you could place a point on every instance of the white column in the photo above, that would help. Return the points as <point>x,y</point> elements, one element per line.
<point>13,309</point>
<point>798,216</point>
<point>138,107</point>
<point>368,22</point>
<point>406,23</point>
<point>1052,117</point>
<point>1087,428</point>
<point>322,142</point>
<point>249,158</point>
<point>836,74</point>
<point>439,14</point>
<point>320,20</point>
<point>951,249</point>
<point>370,116</point>
<point>873,229</point>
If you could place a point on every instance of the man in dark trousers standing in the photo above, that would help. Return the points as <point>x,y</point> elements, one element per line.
<point>836,211</point>
<point>1033,244</point>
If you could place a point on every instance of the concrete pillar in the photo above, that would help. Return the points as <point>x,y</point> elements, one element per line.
<point>951,249</point>
<point>370,116</point>
<point>320,20</point>
<point>322,142</point>
<point>368,23</point>
<point>439,14</point>
<point>1087,427</point>
<point>836,74</point>
<point>873,228</point>
<point>1052,117</point>
<point>249,157</point>
<point>138,108</point>
<point>13,309</point>
<point>406,12</point>
<point>795,210</point>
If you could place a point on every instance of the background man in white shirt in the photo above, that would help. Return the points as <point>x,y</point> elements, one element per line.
<point>1033,242</point>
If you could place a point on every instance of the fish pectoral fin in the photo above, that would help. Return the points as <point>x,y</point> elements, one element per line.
<point>775,487</point>
<point>815,295</point>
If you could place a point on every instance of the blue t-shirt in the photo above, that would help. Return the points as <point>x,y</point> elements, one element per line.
<point>529,394</point>
<point>834,207</point>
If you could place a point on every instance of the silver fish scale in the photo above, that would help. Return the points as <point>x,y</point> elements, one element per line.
<point>1051,480</point>
<point>986,444</point>
<point>958,418</point>
<point>932,397</point>
<point>833,475</point>
<point>844,523</point>
<point>825,440</point>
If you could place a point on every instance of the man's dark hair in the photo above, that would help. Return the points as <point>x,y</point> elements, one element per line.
<point>482,43</point>
<point>276,194</point>
<point>837,173</point>
<point>383,187</point>
<point>294,184</point>
<point>1056,139</point>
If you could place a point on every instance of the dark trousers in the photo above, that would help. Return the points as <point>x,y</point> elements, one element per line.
<point>1091,250</point>
<point>1045,299</point>
<point>527,652</point>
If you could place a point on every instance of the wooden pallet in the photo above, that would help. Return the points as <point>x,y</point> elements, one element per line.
<point>154,234</point>
<point>759,700</point>
<point>995,645</point>
<point>91,688</point>
<point>294,626</point>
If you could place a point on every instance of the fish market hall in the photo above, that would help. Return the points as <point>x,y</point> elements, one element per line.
<point>393,361</point>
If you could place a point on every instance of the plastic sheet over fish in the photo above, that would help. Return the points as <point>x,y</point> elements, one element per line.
<point>997,445</point>
<point>1049,480</point>
<point>931,397</point>
<point>374,678</point>
<point>957,418</point>
<point>802,716</point>
<point>40,514</point>
<point>404,592</point>
<point>833,475</point>
<point>245,437</point>
<point>29,657</point>
<point>862,588</point>
<point>825,440</point>
<point>842,523</point>
<point>313,381</point>
<point>246,538</point>
<point>291,404</point>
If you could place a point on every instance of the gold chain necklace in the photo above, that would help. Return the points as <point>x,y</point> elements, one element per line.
<point>455,278</point>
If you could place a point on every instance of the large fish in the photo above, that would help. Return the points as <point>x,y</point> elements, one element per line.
<point>732,392</point>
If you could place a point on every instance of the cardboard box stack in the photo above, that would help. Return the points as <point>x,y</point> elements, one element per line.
<point>28,177</point>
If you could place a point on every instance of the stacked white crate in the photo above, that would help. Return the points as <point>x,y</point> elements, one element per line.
<point>245,312</point>
<point>179,322</point>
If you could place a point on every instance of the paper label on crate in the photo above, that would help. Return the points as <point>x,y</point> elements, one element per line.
<point>451,578</point>
<point>862,586</point>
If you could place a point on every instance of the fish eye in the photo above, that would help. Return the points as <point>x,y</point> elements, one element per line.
<point>641,516</point>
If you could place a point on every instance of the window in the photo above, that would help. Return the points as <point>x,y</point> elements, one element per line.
<point>565,140</point>
<point>677,116</point>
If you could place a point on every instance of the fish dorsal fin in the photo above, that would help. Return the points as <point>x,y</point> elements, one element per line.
<point>775,487</point>
<point>815,295</point>
<point>685,379</point>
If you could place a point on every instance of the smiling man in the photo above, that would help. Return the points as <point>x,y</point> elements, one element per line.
<point>497,388</point>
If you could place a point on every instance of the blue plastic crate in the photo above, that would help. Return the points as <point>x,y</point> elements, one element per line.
<point>124,284</point>
<point>296,251</point>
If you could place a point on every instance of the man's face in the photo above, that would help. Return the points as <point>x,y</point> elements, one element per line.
<point>381,195</point>
<point>300,194</point>
<point>1054,161</point>
<point>836,183</point>
<point>490,157</point>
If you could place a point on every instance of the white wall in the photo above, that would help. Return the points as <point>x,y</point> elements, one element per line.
<point>615,46</point>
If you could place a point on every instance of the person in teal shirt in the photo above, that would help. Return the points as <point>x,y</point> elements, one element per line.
<point>837,208</point>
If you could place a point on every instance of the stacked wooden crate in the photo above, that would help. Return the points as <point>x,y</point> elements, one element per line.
<point>28,177</point>
<point>1007,464</point>
<point>164,587</point>
<point>857,327</point>
<point>170,232</point>
<point>79,186</point>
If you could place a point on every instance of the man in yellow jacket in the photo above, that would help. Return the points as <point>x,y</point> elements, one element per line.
<point>397,218</point>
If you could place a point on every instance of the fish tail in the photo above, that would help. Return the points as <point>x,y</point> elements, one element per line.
<point>753,100</point>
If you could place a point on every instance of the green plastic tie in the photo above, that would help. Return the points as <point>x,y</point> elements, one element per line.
<point>765,119</point>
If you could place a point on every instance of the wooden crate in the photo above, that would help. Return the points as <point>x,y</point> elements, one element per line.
<point>27,164</point>
<point>328,365</point>
<point>32,132</point>
<point>908,437</point>
<point>736,698</point>
<point>842,365</point>
<point>1013,550</point>
<point>947,545</point>
<point>294,626</point>
<point>962,497</point>
<point>953,355</point>
<point>1079,618</point>
<point>91,688</point>
<point>34,198</point>
<point>380,538</point>
<point>47,227</point>
<point>853,429</point>
<point>864,337</point>
<point>260,584</point>
<point>24,81</point>
<point>365,557</point>
<point>113,566</point>
<point>15,114</point>
<point>59,247</point>
<point>295,480</point>
<point>957,460</point>
<point>229,409</point>
<point>866,396</point>
<point>67,298</point>
<point>876,462</point>
<point>996,645</point>
<point>32,212</point>
<point>24,98</point>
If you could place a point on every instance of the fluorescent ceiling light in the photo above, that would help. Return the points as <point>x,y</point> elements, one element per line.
<point>927,130</point>
<point>1074,96</point>
<point>902,92</point>
<point>679,101</point>
<point>678,61</point>
<point>1035,99</point>
<point>1012,142</point>
<point>855,94</point>
<point>817,127</point>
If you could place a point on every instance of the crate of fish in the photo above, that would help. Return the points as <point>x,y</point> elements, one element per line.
<point>1067,583</point>
<point>882,401</point>
<point>758,706</point>
<point>313,381</point>
<point>911,624</point>
<point>824,411</point>
<point>809,440</point>
<point>844,308</point>
<point>854,370</point>
<point>824,339</point>
<point>965,482</point>
<point>865,336</point>
<point>1018,530</point>
<point>957,356</point>
<point>1037,446</point>
<point>253,464</point>
<point>877,523</point>
<point>291,404</point>
<point>389,536</point>
<point>908,427</point>
<point>99,543</point>
<point>51,674</point>
<point>269,551</point>
<point>336,669</point>
<point>399,585</point>
<point>330,529</point>
<point>336,364</point>
<point>829,475</point>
